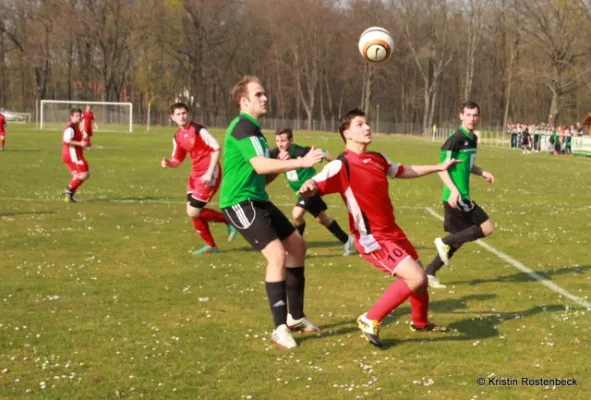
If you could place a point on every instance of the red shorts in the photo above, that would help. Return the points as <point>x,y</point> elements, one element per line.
<point>201,192</point>
<point>391,254</point>
<point>78,166</point>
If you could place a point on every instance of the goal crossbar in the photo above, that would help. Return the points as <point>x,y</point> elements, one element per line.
<point>128,123</point>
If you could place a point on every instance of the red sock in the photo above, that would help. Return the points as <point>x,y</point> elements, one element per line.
<point>202,229</point>
<point>74,184</point>
<point>392,298</point>
<point>419,308</point>
<point>212,216</point>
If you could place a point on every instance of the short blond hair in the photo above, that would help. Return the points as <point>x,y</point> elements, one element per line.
<point>240,90</point>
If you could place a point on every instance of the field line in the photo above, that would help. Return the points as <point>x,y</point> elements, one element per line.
<point>534,275</point>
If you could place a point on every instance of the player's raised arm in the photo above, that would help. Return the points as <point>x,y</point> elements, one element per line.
<point>332,179</point>
<point>416,171</point>
<point>487,176</point>
<point>264,166</point>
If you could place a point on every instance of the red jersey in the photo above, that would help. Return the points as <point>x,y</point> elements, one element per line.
<point>2,124</point>
<point>198,143</point>
<point>361,179</point>
<point>87,119</point>
<point>72,154</point>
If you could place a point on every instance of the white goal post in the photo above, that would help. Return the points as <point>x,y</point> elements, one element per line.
<point>109,115</point>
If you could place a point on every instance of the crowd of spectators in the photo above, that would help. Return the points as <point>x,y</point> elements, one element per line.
<point>544,137</point>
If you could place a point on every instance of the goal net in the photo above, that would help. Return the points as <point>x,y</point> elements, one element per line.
<point>108,116</point>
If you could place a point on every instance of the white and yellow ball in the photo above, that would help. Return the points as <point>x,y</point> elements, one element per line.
<point>376,44</point>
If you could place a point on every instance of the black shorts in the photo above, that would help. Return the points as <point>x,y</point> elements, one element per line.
<point>313,204</point>
<point>260,222</point>
<point>458,219</point>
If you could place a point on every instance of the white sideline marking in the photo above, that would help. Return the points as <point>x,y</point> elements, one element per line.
<point>544,281</point>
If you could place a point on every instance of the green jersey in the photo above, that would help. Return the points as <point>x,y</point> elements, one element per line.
<point>460,146</point>
<point>296,177</point>
<point>244,140</point>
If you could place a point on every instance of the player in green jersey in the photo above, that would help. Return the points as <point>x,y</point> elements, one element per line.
<point>286,149</point>
<point>464,220</point>
<point>245,204</point>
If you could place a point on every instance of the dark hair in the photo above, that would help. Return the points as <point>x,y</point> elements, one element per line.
<point>239,90</point>
<point>470,105</point>
<point>176,106</point>
<point>285,131</point>
<point>345,121</point>
<point>75,110</point>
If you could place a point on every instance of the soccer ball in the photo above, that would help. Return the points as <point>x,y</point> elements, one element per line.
<point>376,44</point>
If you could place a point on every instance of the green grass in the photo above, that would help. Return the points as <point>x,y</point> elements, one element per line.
<point>102,300</point>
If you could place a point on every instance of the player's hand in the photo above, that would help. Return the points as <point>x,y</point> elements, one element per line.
<point>312,157</point>
<point>449,163</point>
<point>165,162</point>
<point>487,176</point>
<point>454,199</point>
<point>207,179</point>
<point>283,155</point>
<point>308,188</point>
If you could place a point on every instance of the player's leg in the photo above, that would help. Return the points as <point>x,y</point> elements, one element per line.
<point>253,221</point>
<point>480,226</point>
<point>205,193</point>
<point>296,248</point>
<point>80,173</point>
<point>297,217</point>
<point>2,142</point>
<point>194,210</point>
<point>348,241</point>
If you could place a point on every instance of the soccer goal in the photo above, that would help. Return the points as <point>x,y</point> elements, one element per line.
<point>109,116</point>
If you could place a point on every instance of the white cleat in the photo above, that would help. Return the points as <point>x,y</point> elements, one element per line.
<point>301,325</point>
<point>282,337</point>
<point>349,246</point>
<point>434,282</point>
<point>442,250</point>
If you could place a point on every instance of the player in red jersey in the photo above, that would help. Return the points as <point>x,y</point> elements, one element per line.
<point>2,131</point>
<point>360,176</point>
<point>206,174</point>
<point>73,154</point>
<point>87,123</point>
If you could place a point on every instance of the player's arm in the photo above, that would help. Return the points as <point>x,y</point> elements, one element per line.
<point>178,155</point>
<point>416,171</point>
<point>328,157</point>
<point>214,146</point>
<point>69,139</point>
<point>251,149</point>
<point>487,176</point>
<point>332,179</point>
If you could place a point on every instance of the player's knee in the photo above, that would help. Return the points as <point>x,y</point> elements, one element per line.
<point>193,212</point>
<point>488,227</point>
<point>84,176</point>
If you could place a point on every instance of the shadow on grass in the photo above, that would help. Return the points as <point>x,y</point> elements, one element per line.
<point>14,214</point>
<point>523,277</point>
<point>472,328</point>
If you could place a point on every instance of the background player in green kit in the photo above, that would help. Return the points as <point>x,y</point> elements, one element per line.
<point>245,204</point>
<point>286,149</point>
<point>465,220</point>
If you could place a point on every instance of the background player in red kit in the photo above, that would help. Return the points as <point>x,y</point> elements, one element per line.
<point>206,174</point>
<point>2,132</point>
<point>360,176</point>
<point>87,123</point>
<point>73,154</point>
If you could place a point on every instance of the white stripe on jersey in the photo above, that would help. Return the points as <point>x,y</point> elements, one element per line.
<point>68,135</point>
<point>366,239</point>
<point>73,154</point>
<point>209,139</point>
<point>174,145</point>
<point>331,169</point>
<point>257,146</point>
<point>393,170</point>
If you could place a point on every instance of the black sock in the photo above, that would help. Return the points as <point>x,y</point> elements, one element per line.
<point>436,264</point>
<point>467,235</point>
<point>277,296</point>
<point>301,228</point>
<point>296,283</point>
<point>336,230</point>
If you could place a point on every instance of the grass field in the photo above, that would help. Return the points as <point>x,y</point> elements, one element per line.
<point>102,299</point>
